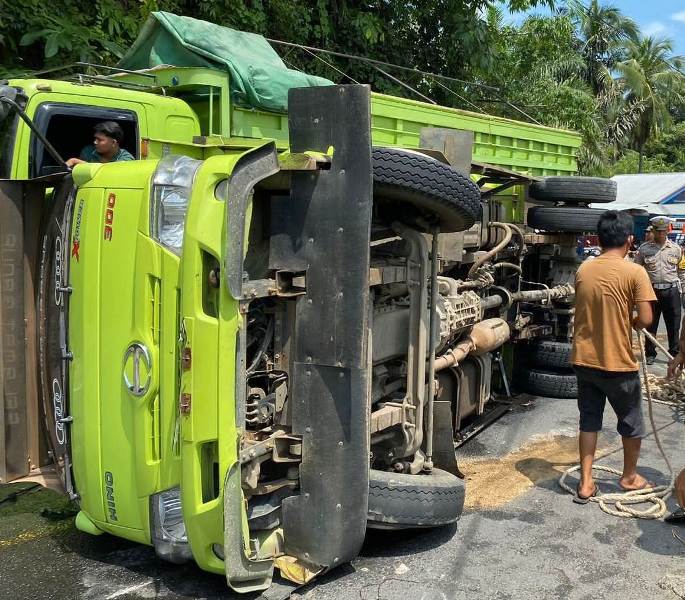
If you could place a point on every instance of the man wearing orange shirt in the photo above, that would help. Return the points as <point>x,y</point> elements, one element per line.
<point>608,290</point>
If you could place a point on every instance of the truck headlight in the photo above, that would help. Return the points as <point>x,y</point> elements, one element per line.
<point>168,529</point>
<point>171,187</point>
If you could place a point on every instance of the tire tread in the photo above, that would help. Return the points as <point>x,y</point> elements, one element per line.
<point>403,500</point>
<point>547,383</point>
<point>549,354</point>
<point>564,219</point>
<point>428,184</point>
<point>579,189</point>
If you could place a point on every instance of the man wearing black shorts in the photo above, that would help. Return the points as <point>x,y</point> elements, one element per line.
<point>608,290</point>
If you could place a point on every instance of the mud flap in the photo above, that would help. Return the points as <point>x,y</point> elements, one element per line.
<point>444,456</point>
<point>325,524</point>
<point>22,203</point>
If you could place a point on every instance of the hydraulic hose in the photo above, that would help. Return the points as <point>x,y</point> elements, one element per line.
<point>508,265</point>
<point>492,252</point>
<point>516,229</point>
<point>268,335</point>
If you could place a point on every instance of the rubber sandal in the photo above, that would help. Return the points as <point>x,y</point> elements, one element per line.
<point>677,516</point>
<point>578,499</point>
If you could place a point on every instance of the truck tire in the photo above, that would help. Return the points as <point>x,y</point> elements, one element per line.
<point>402,501</point>
<point>549,354</point>
<point>421,191</point>
<point>574,189</point>
<point>564,219</point>
<point>52,260</point>
<point>548,383</point>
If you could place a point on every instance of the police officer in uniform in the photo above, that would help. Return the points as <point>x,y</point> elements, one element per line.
<point>649,234</point>
<point>661,258</point>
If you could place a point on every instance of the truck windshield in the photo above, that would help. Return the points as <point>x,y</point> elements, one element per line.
<point>8,131</point>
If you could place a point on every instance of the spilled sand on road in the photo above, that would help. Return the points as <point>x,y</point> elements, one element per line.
<point>490,483</point>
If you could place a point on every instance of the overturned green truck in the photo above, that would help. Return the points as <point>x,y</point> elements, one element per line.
<point>266,334</point>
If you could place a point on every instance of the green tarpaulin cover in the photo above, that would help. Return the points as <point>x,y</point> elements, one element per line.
<point>258,77</point>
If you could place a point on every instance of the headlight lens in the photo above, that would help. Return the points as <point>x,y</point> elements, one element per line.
<point>171,188</point>
<point>168,528</point>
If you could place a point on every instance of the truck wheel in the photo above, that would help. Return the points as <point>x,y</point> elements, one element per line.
<point>421,191</point>
<point>401,501</point>
<point>564,219</point>
<point>52,264</point>
<point>574,189</point>
<point>551,384</point>
<point>549,354</point>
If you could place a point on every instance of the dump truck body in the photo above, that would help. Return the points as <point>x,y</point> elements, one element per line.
<point>197,103</point>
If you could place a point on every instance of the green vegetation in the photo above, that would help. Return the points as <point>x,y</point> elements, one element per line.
<point>584,67</point>
<point>587,67</point>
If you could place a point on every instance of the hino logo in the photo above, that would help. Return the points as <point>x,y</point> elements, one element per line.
<point>109,496</point>
<point>58,408</point>
<point>137,369</point>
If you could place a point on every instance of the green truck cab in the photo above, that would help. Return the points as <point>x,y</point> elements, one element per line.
<point>66,112</point>
<point>241,335</point>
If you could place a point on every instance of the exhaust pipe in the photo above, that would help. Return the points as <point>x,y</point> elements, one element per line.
<point>485,337</point>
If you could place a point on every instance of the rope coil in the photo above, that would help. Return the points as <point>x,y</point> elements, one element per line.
<point>619,504</point>
<point>670,393</point>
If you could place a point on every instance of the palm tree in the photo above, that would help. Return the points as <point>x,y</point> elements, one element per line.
<point>602,32</point>
<point>584,77</point>
<point>653,79</point>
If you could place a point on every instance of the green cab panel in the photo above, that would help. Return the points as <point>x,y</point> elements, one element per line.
<point>122,334</point>
<point>211,321</point>
<point>163,123</point>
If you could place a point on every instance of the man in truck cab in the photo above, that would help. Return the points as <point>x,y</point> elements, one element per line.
<point>106,146</point>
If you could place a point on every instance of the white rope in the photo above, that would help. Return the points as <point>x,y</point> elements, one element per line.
<point>619,504</point>
<point>670,393</point>
<point>621,500</point>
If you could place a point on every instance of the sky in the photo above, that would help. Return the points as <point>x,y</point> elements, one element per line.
<point>665,18</point>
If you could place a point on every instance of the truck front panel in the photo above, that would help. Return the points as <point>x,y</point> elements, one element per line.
<point>122,332</point>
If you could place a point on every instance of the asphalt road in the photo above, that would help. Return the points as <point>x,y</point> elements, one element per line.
<point>521,536</point>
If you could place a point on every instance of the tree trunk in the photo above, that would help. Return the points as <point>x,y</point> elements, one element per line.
<point>640,159</point>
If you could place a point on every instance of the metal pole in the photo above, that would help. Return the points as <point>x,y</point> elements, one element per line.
<point>431,348</point>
